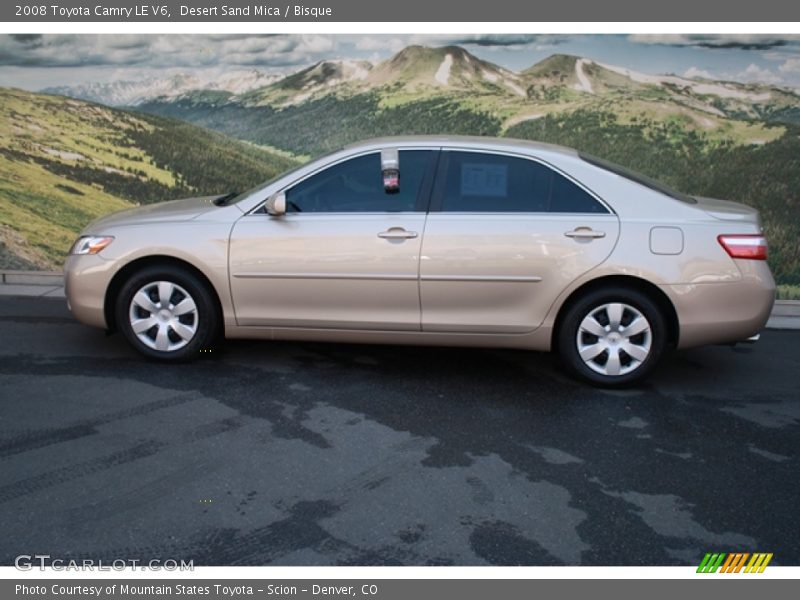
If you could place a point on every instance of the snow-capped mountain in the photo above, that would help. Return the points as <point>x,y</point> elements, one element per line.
<point>450,67</point>
<point>318,79</point>
<point>133,93</point>
<point>593,77</point>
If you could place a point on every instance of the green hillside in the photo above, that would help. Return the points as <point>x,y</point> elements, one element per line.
<point>64,162</point>
<point>336,121</point>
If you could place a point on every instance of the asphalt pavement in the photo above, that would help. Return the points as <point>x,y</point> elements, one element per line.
<point>314,454</point>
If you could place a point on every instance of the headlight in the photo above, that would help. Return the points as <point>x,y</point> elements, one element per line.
<point>91,244</point>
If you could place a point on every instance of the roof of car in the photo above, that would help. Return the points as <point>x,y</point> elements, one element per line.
<point>462,141</point>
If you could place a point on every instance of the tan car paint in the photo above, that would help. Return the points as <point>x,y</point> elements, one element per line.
<point>484,280</point>
<point>202,244</point>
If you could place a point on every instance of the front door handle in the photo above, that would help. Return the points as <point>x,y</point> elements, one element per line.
<point>397,233</point>
<point>585,233</point>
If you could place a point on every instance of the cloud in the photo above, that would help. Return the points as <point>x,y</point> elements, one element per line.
<point>792,65</point>
<point>394,43</point>
<point>693,72</point>
<point>728,41</point>
<point>378,43</point>
<point>511,40</point>
<point>26,38</point>
<point>167,51</point>
<point>758,74</point>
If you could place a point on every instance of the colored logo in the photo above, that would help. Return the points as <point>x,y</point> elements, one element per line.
<point>734,562</point>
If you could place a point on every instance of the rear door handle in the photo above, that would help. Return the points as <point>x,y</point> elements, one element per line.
<point>585,233</point>
<point>397,233</point>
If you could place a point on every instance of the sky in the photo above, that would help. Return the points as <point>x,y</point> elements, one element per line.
<point>34,61</point>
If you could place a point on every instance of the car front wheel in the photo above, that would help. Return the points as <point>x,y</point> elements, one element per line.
<point>612,338</point>
<point>166,313</point>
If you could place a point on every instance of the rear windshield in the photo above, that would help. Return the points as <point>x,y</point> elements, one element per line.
<point>637,178</point>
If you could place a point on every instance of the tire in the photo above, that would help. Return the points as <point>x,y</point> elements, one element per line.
<point>612,337</point>
<point>178,307</point>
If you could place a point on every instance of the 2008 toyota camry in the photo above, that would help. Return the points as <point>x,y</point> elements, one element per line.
<point>435,240</point>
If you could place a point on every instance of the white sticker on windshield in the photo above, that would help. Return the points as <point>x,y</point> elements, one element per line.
<point>481,179</point>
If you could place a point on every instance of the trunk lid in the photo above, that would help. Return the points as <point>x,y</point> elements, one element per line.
<point>725,210</point>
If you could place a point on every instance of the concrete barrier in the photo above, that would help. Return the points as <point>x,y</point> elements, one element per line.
<point>32,277</point>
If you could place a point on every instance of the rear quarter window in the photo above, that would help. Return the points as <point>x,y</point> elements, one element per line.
<point>630,175</point>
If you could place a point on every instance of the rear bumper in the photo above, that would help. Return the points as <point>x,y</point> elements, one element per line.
<point>727,312</point>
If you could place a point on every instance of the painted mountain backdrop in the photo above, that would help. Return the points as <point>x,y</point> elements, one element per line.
<point>727,139</point>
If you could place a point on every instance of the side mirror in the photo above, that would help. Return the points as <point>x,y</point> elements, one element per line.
<point>276,204</point>
<point>390,170</point>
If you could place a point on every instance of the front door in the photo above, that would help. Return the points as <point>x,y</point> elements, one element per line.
<point>345,255</point>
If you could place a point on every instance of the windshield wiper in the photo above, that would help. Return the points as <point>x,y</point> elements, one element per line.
<point>224,200</point>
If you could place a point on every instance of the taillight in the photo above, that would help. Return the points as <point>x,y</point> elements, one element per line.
<point>751,246</point>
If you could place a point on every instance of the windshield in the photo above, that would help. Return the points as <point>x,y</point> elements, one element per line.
<point>266,184</point>
<point>644,180</point>
<point>262,186</point>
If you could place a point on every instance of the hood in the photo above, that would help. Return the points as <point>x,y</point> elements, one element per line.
<point>727,210</point>
<point>174,210</point>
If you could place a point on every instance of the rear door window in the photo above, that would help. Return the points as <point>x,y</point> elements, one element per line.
<point>481,182</point>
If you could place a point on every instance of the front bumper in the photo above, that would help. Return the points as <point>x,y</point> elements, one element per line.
<point>86,279</point>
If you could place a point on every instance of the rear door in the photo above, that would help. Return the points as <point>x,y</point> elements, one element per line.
<point>506,234</point>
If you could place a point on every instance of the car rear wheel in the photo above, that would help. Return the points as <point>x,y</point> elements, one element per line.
<point>166,313</point>
<point>612,337</point>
